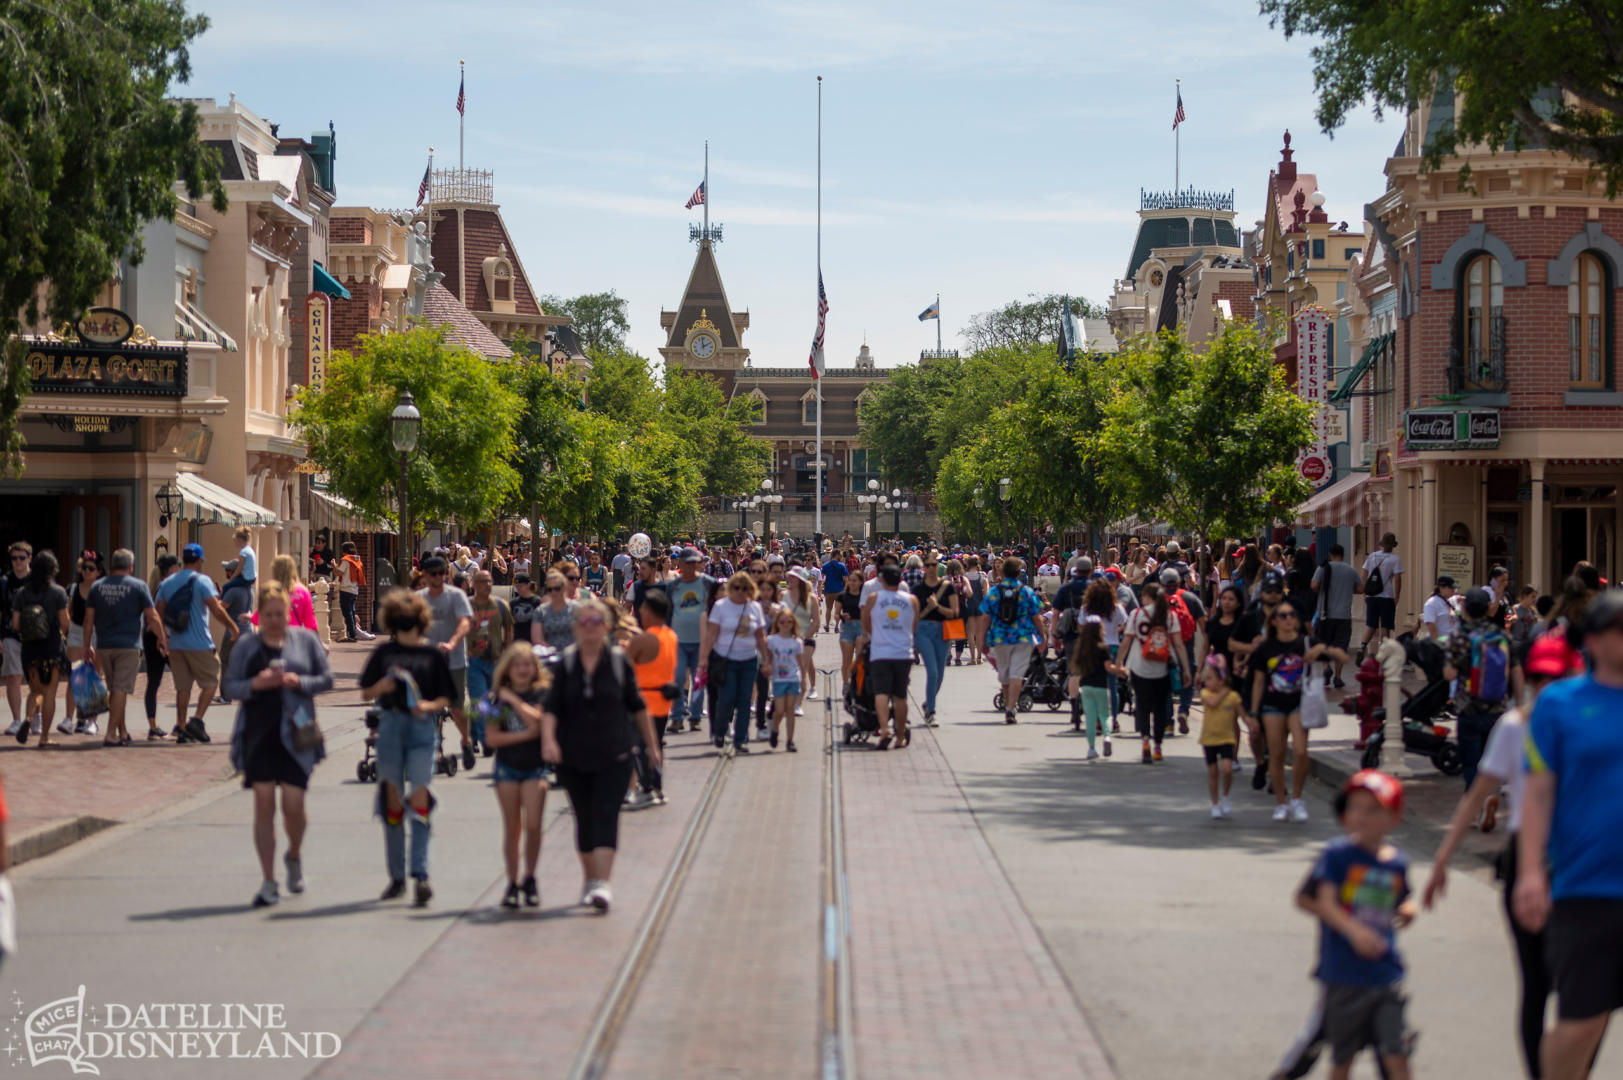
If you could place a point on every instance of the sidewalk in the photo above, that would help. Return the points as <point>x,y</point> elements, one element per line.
<point>76,787</point>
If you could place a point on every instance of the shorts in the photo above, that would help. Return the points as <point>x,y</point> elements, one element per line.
<point>785,688</point>
<point>45,670</point>
<point>506,774</point>
<point>850,630</point>
<point>1360,1016</point>
<point>118,668</point>
<point>1221,752</point>
<point>1583,948</point>
<point>889,677</point>
<point>1381,612</point>
<point>76,636</point>
<point>1336,633</point>
<point>1269,710</point>
<point>200,666</point>
<point>811,643</point>
<point>12,665</point>
<point>459,687</point>
<point>1012,660</point>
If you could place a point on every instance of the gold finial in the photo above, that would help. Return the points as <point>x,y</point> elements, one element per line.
<point>703,321</point>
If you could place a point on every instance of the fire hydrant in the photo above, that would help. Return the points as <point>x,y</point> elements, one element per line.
<point>1392,658</point>
<point>1367,700</point>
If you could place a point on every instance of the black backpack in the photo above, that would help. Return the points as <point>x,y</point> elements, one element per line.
<point>33,623</point>
<point>177,613</point>
<point>1375,584</point>
<point>1008,605</point>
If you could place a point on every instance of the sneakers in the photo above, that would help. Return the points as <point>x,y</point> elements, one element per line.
<point>1298,811</point>
<point>811,695</point>
<point>79,726</point>
<point>90,727</point>
<point>659,798</point>
<point>20,729</point>
<point>1259,776</point>
<point>800,710</point>
<point>1092,754</point>
<point>1490,813</point>
<point>1183,723</point>
<point>1146,756</point>
<point>156,734</point>
<point>929,718</point>
<point>1217,812</point>
<point>1115,726</point>
<point>790,746</point>
<point>532,893</point>
<point>1157,751</point>
<point>598,896</point>
<point>195,731</point>
<point>742,748</point>
<point>760,734</point>
<point>772,740</point>
<point>510,897</point>
<point>66,726</point>
<point>295,873</point>
<point>267,895</point>
<point>719,740</point>
<point>639,800</point>
<point>364,636</point>
<point>16,726</point>
<point>1227,807</point>
<point>467,756</point>
<point>693,724</point>
<point>395,890</point>
<point>1008,717</point>
<point>421,894</point>
<point>1282,812</point>
<point>1107,746</point>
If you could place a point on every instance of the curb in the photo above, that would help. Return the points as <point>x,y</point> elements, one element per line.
<point>51,838</point>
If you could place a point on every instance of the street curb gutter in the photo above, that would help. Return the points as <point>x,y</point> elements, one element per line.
<point>43,841</point>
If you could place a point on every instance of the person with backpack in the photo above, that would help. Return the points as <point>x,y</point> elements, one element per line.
<point>11,651</point>
<point>491,633</point>
<point>1011,632</point>
<point>1382,585</point>
<point>1151,643</point>
<point>1191,613</point>
<point>185,601</point>
<point>351,575</point>
<point>1490,677</point>
<point>119,605</point>
<point>39,615</point>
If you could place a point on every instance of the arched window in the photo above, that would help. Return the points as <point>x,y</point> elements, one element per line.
<point>1586,315</point>
<point>1484,298</point>
<point>808,407</point>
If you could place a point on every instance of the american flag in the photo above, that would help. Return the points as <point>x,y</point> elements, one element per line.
<point>1179,117</point>
<point>698,195</point>
<point>422,188</point>
<point>462,95</point>
<point>817,339</point>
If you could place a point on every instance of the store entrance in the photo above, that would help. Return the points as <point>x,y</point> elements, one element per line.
<point>36,519</point>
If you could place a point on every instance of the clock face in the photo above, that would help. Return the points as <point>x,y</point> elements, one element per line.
<point>703,346</point>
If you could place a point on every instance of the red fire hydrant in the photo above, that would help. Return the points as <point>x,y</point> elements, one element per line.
<point>1367,701</point>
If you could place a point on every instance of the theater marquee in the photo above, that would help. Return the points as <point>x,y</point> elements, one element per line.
<point>122,371</point>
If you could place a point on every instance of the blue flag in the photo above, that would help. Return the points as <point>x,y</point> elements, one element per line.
<point>931,312</point>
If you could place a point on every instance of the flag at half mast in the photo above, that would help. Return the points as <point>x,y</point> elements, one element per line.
<point>817,339</point>
<point>697,198</point>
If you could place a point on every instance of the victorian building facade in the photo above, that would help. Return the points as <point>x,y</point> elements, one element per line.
<point>1187,270</point>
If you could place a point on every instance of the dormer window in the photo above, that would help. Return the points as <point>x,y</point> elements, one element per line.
<point>498,274</point>
<point>864,398</point>
<point>757,405</point>
<point>808,407</point>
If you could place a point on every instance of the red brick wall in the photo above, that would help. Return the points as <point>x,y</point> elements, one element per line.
<point>486,235</point>
<point>1239,295</point>
<point>350,230</point>
<point>1536,366</point>
<point>353,317</point>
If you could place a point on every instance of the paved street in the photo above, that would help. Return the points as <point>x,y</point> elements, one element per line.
<point>1014,911</point>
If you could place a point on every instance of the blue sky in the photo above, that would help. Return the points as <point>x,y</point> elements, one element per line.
<point>982,151</point>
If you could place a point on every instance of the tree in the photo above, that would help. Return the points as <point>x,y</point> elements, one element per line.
<point>622,386</point>
<point>90,148</point>
<point>716,432</point>
<point>897,421</point>
<point>1207,440</point>
<point>1530,72</point>
<point>463,466</point>
<point>546,442</point>
<point>599,318</point>
<point>1032,321</point>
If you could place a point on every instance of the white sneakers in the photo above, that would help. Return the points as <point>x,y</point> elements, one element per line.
<point>66,726</point>
<point>1222,809</point>
<point>267,895</point>
<point>295,873</point>
<point>1092,754</point>
<point>1282,812</point>
<point>16,726</point>
<point>598,896</point>
<point>1217,812</point>
<point>1298,810</point>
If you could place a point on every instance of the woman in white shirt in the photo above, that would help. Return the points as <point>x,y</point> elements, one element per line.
<point>1438,617</point>
<point>735,635</point>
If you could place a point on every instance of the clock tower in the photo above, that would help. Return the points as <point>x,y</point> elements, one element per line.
<point>703,333</point>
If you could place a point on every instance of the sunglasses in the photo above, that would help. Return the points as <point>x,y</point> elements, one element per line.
<point>1285,615</point>
<point>572,577</point>
<point>19,558</point>
<point>555,588</point>
<point>590,620</point>
<point>436,573</point>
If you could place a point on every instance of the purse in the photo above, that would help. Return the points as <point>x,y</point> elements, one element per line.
<point>306,732</point>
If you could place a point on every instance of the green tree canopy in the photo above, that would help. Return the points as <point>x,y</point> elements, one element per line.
<point>599,318</point>
<point>1529,72</point>
<point>1032,321</point>
<point>622,386</point>
<point>1207,440</point>
<point>464,462</point>
<point>90,148</point>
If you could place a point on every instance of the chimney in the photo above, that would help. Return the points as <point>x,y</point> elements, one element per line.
<point>1287,168</point>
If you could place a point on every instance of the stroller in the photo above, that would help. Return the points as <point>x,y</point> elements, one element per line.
<point>859,701</point>
<point>1044,683</point>
<point>1422,734</point>
<point>366,769</point>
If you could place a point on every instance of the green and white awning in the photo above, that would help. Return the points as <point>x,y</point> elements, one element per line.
<point>208,503</point>
<point>192,325</point>
<point>1356,373</point>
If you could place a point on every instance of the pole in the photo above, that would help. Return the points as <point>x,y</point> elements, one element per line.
<point>938,324</point>
<point>1177,149</point>
<point>817,382</point>
<point>431,201</point>
<point>461,114</point>
<point>705,238</point>
<point>404,570</point>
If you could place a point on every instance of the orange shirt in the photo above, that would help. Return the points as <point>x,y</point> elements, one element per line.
<point>658,672</point>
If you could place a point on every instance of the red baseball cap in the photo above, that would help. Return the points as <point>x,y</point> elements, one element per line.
<point>1552,657</point>
<point>1387,789</point>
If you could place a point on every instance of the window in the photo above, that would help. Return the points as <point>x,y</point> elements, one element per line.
<point>1318,249</point>
<point>757,405</point>
<point>1348,253</point>
<point>1586,314</point>
<point>1482,365</point>
<point>808,408</point>
<point>858,471</point>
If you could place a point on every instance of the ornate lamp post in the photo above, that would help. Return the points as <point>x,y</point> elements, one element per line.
<point>169,502</point>
<point>872,501</point>
<point>405,425</point>
<point>980,524</point>
<point>1003,505</point>
<point>768,501</point>
<point>897,505</point>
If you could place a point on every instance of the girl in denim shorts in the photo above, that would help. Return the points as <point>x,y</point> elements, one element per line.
<point>786,648</point>
<point>513,728</point>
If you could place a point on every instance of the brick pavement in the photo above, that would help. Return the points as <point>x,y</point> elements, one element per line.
<point>951,977</point>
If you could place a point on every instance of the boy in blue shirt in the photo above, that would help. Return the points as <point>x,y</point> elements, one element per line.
<point>1359,890</point>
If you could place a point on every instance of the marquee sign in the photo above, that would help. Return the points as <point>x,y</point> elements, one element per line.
<point>118,371</point>
<point>1313,384</point>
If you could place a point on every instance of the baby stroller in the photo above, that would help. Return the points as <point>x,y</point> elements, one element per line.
<point>366,769</point>
<point>1422,734</point>
<point>859,701</point>
<point>1044,682</point>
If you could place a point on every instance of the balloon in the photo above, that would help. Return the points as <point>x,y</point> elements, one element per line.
<point>639,545</point>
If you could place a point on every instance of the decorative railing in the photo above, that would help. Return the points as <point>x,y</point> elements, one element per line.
<point>937,354</point>
<point>1478,368</point>
<point>1189,199</point>
<point>462,185</point>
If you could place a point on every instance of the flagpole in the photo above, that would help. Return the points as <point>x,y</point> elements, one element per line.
<point>706,236</point>
<point>1177,149</point>
<point>817,382</point>
<point>431,201</point>
<point>938,324</point>
<point>461,114</point>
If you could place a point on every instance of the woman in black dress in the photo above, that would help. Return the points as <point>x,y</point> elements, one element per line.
<point>274,676</point>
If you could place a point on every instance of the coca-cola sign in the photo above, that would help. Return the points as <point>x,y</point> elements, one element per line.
<point>1451,429</point>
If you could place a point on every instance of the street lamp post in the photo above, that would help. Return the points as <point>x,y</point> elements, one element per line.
<point>980,519</point>
<point>897,506</point>
<point>405,425</point>
<point>1003,506</point>
<point>768,500</point>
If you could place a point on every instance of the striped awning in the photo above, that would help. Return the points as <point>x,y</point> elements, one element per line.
<point>329,511</point>
<point>210,504</point>
<point>1339,504</point>
<point>192,325</point>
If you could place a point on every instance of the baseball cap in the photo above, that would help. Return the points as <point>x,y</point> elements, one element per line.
<point>774,559</point>
<point>230,566</point>
<point>1387,789</point>
<point>689,554</point>
<point>1551,657</point>
<point>1272,579</point>
<point>191,553</point>
<point>1445,581</point>
<point>1170,576</point>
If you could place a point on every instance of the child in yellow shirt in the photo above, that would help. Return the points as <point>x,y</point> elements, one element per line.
<point>1219,730</point>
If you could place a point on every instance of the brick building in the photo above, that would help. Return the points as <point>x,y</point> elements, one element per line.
<point>1491,404</point>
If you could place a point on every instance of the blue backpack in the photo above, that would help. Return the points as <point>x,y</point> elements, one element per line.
<point>1489,677</point>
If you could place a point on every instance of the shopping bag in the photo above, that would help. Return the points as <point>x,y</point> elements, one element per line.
<point>953,630</point>
<point>88,689</point>
<point>1315,707</point>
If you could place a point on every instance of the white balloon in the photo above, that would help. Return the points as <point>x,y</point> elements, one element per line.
<point>639,545</point>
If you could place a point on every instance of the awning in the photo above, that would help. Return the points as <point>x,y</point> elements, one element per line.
<point>192,325</point>
<point>328,511</point>
<point>210,504</point>
<point>328,284</point>
<point>1337,505</point>
<point>1356,373</point>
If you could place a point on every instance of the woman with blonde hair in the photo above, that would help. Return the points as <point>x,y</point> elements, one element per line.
<point>735,633</point>
<point>553,622</point>
<point>301,606</point>
<point>523,779</point>
<point>275,674</point>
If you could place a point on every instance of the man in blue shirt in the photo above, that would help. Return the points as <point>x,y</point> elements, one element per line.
<point>1572,816</point>
<point>834,575</point>
<point>118,604</point>
<point>185,600</point>
<point>688,594</point>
